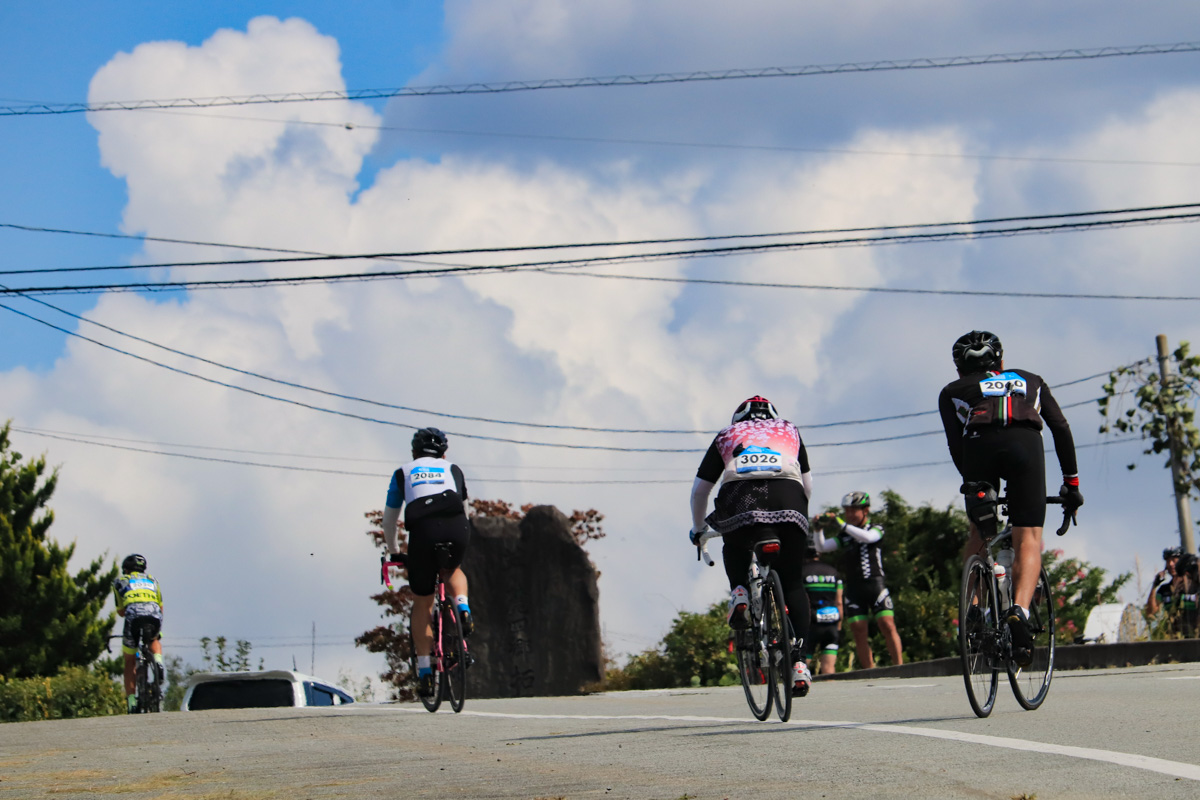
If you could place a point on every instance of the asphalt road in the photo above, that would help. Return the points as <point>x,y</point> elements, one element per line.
<point>1101,734</point>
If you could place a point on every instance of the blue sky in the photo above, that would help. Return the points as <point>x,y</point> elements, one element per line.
<point>546,167</point>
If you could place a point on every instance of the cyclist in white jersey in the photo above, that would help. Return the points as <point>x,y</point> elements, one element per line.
<point>435,493</point>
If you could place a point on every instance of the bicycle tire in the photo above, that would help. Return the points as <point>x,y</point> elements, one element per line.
<point>753,667</point>
<point>779,645</point>
<point>454,649</point>
<point>432,702</point>
<point>1030,684</point>
<point>979,635</point>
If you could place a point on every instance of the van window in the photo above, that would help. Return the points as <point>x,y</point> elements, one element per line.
<point>317,695</point>
<point>242,694</point>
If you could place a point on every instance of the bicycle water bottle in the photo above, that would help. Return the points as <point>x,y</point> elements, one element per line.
<point>1004,560</point>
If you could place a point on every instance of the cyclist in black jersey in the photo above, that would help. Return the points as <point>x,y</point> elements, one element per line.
<point>993,421</point>
<point>766,482</point>
<point>1164,582</point>
<point>824,586</point>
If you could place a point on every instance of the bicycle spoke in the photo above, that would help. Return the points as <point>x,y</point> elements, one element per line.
<point>754,667</point>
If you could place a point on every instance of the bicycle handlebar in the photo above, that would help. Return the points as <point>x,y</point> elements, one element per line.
<point>1054,500</point>
<point>385,565</point>
<point>702,546</point>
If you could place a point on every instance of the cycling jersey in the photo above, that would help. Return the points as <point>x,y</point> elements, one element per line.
<point>1013,398</point>
<point>136,588</point>
<point>430,487</point>
<point>823,584</point>
<point>764,473</point>
<point>863,560</point>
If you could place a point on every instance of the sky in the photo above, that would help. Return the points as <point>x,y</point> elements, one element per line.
<point>247,549</point>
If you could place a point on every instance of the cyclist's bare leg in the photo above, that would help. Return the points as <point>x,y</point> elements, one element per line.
<point>130,680</point>
<point>422,633</point>
<point>1027,563</point>
<point>828,663</point>
<point>456,583</point>
<point>891,637</point>
<point>974,543</point>
<point>862,645</point>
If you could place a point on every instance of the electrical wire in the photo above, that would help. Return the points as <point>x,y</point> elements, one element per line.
<point>309,255</point>
<point>1074,54</point>
<point>446,415</point>
<point>228,283</point>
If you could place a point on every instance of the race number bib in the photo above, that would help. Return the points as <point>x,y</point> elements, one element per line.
<point>758,459</point>
<point>1003,385</point>
<point>827,614</point>
<point>428,475</point>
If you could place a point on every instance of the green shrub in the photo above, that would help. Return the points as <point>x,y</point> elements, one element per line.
<point>74,692</point>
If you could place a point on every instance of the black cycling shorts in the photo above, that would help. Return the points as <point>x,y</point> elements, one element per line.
<point>1016,455</point>
<point>422,561</point>
<point>823,638</point>
<point>863,600</point>
<point>143,623</point>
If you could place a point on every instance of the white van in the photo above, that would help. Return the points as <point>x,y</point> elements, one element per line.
<point>271,689</point>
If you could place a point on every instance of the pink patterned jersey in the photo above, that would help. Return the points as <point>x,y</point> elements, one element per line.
<point>759,448</point>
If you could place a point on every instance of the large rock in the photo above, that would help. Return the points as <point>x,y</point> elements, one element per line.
<point>536,606</point>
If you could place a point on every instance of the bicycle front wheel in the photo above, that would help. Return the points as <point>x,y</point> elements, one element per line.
<point>979,635</point>
<point>754,667</point>
<point>1031,683</point>
<point>779,645</point>
<point>454,658</point>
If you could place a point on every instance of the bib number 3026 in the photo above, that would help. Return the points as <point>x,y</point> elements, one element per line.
<point>758,459</point>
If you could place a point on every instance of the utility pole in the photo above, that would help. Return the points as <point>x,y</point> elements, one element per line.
<point>1186,537</point>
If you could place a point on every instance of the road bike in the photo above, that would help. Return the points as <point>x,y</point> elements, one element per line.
<point>449,658</point>
<point>984,639</point>
<point>148,675</point>
<point>764,647</point>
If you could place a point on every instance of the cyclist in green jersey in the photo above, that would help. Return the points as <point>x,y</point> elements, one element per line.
<point>139,600</point>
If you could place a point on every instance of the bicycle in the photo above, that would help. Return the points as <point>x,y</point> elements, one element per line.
<point>449,658</point>
<point>984,639</point>
<point>764,647</point>
<point>148,676</point>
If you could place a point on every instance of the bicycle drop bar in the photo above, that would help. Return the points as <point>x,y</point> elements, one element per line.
<point>384,565</point>
<point>1055,500</point>
<point>702,546</point>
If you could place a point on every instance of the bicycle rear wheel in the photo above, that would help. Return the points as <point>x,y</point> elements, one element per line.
<point>979,635</point>
<point>1031,683</point>
<point>432,702</point>
<point>779,645</point>
<point>754,667</point>
<point>454,658</point>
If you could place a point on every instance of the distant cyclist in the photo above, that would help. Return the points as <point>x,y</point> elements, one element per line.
<point>824,586</point>
<point>435,493</point>
<point>139,600</point>
<point>1164,582</point>
<point>866,594</point>
<point>993,420</point>
<point>766,482</point>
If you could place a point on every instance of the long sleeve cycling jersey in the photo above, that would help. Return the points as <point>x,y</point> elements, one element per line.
<point>1015,397</point>
<point>864,559</point>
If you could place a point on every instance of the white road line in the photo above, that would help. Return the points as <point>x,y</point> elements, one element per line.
<point>1175,769</point>
<point>1183,678</point>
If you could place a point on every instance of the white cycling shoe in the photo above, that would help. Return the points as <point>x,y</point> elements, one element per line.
<point>801,679</point>
<point>739,608</point>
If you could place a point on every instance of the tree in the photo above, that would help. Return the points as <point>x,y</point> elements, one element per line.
<point>695,652</point>
<point>391,638</point>
<point>215,659</point>
<point>49,619</point>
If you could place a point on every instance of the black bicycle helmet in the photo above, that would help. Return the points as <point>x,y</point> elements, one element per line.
<point>755,408</point>
<point>429,442</point>
<point>977,351</point>
<point>133,563</point>
<point>1172,552</point>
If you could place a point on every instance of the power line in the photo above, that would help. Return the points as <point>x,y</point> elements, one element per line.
<point>882,289</point>
<point>303,256</point>
<point>616,80</point>
<point>441,414</point>
<point>352,126</point>
<point>228,283</point>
